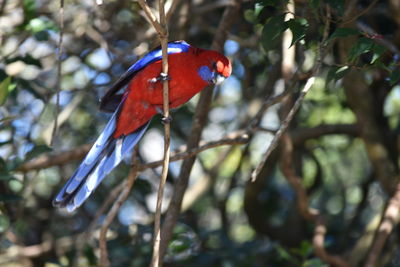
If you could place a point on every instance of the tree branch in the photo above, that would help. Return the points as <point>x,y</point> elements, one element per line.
<point>163,36</point>
<point>104,262</point>
<point>307,213</point>
<point>389,220</point>
<point>199,121</point>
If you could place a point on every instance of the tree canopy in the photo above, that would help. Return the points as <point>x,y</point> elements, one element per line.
<point>292,161</point>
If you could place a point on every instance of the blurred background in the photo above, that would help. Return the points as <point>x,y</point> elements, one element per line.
<point>342,145</point>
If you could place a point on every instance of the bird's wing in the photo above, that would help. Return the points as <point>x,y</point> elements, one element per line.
<point>110,100</point>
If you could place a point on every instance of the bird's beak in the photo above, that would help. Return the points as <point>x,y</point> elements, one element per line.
<point>218,79</point>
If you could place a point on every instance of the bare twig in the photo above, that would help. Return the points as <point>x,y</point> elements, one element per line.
<point>59,61</point>
<point>104,262</point>
<point>172,8</point>
<point>199,121</point>
<point>361,13</point>
<point>152,18</point>
<point>319,247</point>
<point>283,127</point>
<point>285,123</point>
<point>51,159</point>
<point>232,139</point>
<point>163,35</point>
<point>295,181</point>
<point>84,237</point>
<point>390,218</point>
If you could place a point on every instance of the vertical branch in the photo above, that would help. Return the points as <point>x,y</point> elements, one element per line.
<point>163,35</point>
<point>58,82</point>
<point>162,31</point>
<point>288,52</point>
<point>199,121</point>
<point>104,262</point>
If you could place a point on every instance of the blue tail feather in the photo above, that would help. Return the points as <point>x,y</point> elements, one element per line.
<point>102,158</point>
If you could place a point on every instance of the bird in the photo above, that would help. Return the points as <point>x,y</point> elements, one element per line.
<point>191,69</point>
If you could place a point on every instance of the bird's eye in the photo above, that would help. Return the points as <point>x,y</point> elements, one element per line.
<point>214,65</point>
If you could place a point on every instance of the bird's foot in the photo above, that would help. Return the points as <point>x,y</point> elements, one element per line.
<point>161,78</point>
<point>166,120</point>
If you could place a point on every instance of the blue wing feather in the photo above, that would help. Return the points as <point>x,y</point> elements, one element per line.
<point>110,100</point>
<point>103,157</point>
<point>156,54</point>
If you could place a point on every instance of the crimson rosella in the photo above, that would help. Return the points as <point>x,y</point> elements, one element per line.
<point>190,70</point>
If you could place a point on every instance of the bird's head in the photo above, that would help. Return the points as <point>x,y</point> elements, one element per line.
<point>215,68</point>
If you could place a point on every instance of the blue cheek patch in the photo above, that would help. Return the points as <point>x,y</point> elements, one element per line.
<point>206,74</point>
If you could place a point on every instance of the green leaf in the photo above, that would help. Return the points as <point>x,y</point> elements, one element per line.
<point>5,88</point>
<point>40,24</point>
<point>29,7</point>
<point>36,151</point>
<point>272,31</point>
<point>336,73</point>
<point>343,32</point>
<point>378,50</point>
<point>298,27</point>
<point>394,77</point>
<point>363,45</point>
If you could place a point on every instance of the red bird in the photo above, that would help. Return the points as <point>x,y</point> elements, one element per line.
<point>190,70</point>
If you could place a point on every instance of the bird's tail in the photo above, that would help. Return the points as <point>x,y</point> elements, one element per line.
<point>102,158</point>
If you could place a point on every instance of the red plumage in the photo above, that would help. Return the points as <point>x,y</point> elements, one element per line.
<point>144,96</point>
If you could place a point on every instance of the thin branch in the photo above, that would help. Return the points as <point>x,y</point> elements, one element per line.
<point>104,262</point>
<point>282,128</point>
<point>163,36</point>
<point>295,181</point>
<point>51,159</point>
<point>199,121</point>
<point>300,135</point>
<point>389,220</point>
<point>319,245</point>
<point>59,65</point>
<point>233,139</point>
<point>82,240</point>
<point>172,8</point>
<point>152,18</point>
<point>361,13</point>
<point>285,123</point>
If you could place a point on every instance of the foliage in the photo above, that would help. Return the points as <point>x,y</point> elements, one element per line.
<point>345,136</point>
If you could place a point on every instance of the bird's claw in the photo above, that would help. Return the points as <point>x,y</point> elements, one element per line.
<point>164,77</point>
<point>166,120</point>
<point>161,78</point>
